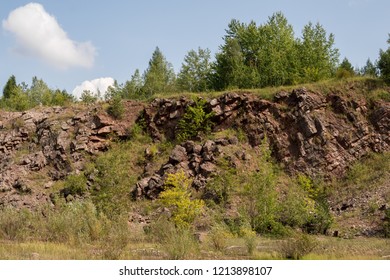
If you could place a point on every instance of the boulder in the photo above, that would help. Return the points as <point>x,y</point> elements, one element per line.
<point>178,154</point>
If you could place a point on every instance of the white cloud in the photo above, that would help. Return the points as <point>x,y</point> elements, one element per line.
<point>38,34</point>
<point>95,86</point>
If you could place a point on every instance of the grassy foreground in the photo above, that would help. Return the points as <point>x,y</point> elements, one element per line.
<point>325,248</point>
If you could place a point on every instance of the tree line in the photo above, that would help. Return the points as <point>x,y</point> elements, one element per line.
<point>21,97</point>
<point>251,56</point>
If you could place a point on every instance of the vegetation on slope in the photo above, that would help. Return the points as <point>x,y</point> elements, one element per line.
<point>242,210</point>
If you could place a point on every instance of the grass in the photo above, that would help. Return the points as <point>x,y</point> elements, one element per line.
<point>371,88</point>
<point>327,248</point>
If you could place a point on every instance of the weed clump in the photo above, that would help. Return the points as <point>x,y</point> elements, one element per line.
<point>298,246</point>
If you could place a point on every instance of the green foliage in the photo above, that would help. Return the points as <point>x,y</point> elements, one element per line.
<point>370,172</point>
<point>195,73</point>
<point>296,207</point>
<point>309,209</point>
<point>230,69</point>
<point>279,56</point>
<point>113,179</point>
<point>268,55</point>
<point>250,238</point>
<point>308,185</point>
<point>220,188</point>
<point>21,97</point>
<point>370,69</point>
<point>116,108</point>
<point>115,237</point>
<point>181,245</point>
<point>10,88</point>
<point>88,97</point>
<point>159,77</point>
<point>384,63</point>
<point>345,70</point>
<point>76,184</point>
<point>269,201</point>
<point>133,88</point>
<point>260,197</point>
<point>194,121</point>
<point>317,55</point>
<point>14,224</point>
<point>177,197</point>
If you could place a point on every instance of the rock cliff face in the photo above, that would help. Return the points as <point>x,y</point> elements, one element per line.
<point>41,146</point>
<point>307,132</point>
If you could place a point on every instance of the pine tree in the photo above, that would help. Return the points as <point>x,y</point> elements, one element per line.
<point>159,77</point>
<point>345,69</point>
<point>370,69</point>
<point>133,88</point>
<point>10,88</point>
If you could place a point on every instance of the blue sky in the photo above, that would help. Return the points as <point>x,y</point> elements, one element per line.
<point>113,38</point>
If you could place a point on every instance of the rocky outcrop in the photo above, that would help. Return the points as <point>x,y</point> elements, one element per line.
<point>43,145</point>
<point>308,132</point>
<point>196,160</point>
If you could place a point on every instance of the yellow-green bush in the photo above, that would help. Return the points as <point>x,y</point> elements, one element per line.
<point>177,197</point>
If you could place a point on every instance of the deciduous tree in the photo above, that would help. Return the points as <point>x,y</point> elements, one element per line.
<point>195,72</point>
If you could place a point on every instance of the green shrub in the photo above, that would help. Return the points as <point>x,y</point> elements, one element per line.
<point>259,196</point>
<point>114,177</point>
<point>88,97</point>
<point>342,73</point>
<point>76,184</point>
<point>194,121</point>
<point>116,108</point>
<point>220,188</point>
<point>384,63</point>
<point>295,207</point>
